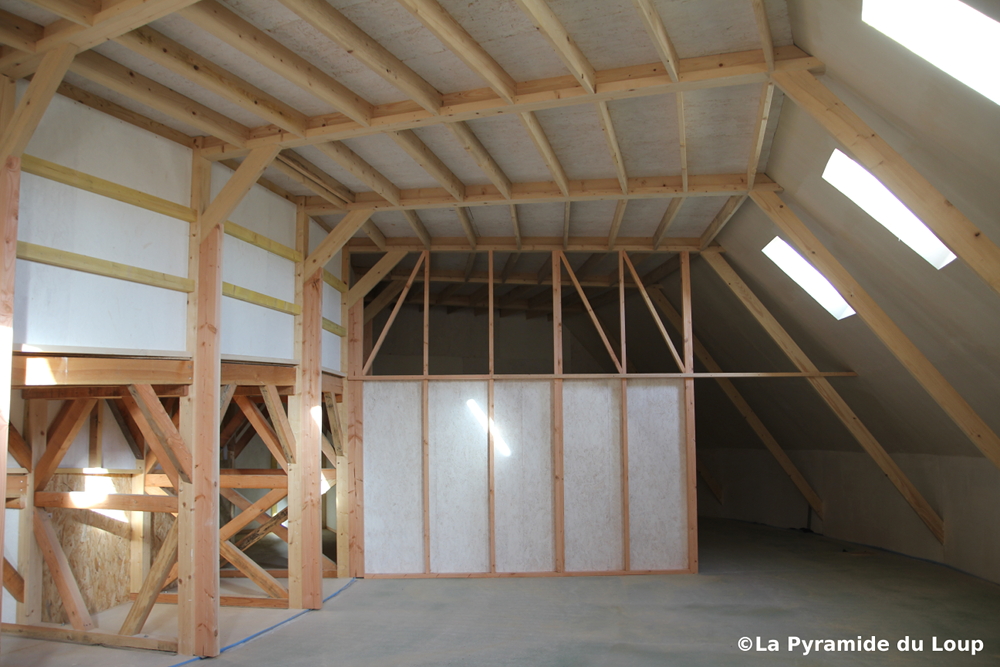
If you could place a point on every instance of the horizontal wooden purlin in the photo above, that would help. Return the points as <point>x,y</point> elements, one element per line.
<point>253,238</point>
<point>334,282</point>
<point>242,374</point>
<point>64,634</point>
<point>71,393</point>
<point>44,371</point>
<point>258,299</point>
<point>98,501</point>
<point>244,478</point>
<point>334,328</point>
<point>528,244</point>
<point>444,276</point>
<point>728,69</point>
<point>101,267</point>
<point>598,189</point>
<point>80,180</point>
<point>229,601</point>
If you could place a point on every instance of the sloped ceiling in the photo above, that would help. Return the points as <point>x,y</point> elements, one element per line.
<point>951,134</point>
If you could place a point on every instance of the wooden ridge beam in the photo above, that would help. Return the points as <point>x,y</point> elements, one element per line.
<point>376,57</point>
<point>552,29</point>
<point>833,398</point>
<point>955,230</point>
<point>269,52</point>
<point>908,354</point>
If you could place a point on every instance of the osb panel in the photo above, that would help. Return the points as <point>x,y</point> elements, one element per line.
<point>97,548</point>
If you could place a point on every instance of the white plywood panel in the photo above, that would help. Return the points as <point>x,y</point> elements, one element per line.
<point>522,412</point>
<point>459,478</point>
<point>592,474</point>
<point>257,269</point>
<point>253,331</point>
<point>75,136</point>
<point>260,210</point>
<point>657,488</point>
<point>58,307</point>
<point>393,446</point>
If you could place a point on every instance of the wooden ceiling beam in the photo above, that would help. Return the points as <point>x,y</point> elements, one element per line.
<point>515,223</point>
<point>460,244</point>
<point>418,227</point>
<point>658,35</point>
<point>466,220</point>
<point>682,140</point>
<point>201,71</point>
<point>612,138</point>
<point>549,25</point>
<point>668,218</point>
<point>361,170</point>
<point>308,174</point>
<point>429,162</point>
<point>245,37</point>
<point>461,43</point>
<point>81,12</point>
<point>616,222</point>
<point>359,44</point>
<point>665,187</point>
<point>764,29</point>
<point>727,211</point>
<point>534,128</point>
<point>759,131</point>
<point>112,20</point>
<point>106,72</point>
<point>470,142</point>
<point>566,216</point>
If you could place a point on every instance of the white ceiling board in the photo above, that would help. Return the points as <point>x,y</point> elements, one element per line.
<point>510,145</point>
<point>129,103</point>
<point>541,219</point>
<point>707,27</point>
<point>393,224</point>
<point>719,124</point>
<point>29,11</point>
<point>286,27</point>
<point>392,26</point>
<point>591,218</point>
<point>443,144</point>
<point>318,158</point>
<point>492,220</point>
<point>695,216</point>
<point>648,135</point>
<point>391,161</point>
<point>578,141</point>
<point>642,217</point>
<point>609,32</point>
<point>772,127</point>
<point>237,63</point>
<point>444,221</point>
<point>507,34</point>
<point>176,82</point>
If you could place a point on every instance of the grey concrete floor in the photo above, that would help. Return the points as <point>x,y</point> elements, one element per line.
<point>754,581</point>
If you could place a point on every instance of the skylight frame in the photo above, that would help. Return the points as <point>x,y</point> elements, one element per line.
<point>871,196</point>
<point>957,39</point>
<point>806,276</point>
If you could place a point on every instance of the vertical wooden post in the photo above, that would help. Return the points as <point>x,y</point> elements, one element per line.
<point>689,423</point>
<point>198,510</point>
<point>355,426</point>
<point>10,188</point>
<point>305,543</point>
<point>343,499</point>
<point>29,558</point>
<point>558,508</point>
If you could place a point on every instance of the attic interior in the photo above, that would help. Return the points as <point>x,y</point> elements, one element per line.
<point>498,332</point>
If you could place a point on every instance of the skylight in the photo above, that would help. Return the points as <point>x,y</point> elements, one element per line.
<point>807,277</point>
<point>949,34</point>
<point>875,199</point>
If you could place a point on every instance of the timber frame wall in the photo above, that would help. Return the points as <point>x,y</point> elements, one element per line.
<point>189,449</point>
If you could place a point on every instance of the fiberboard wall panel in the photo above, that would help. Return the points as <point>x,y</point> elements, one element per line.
<point>657,475</point>
<point>459,477</point>
<point>522,412</point>
<point>592,474</point>
<point>393,465</point>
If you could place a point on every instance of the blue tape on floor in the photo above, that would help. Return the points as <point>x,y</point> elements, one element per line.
<point>276,625</point>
